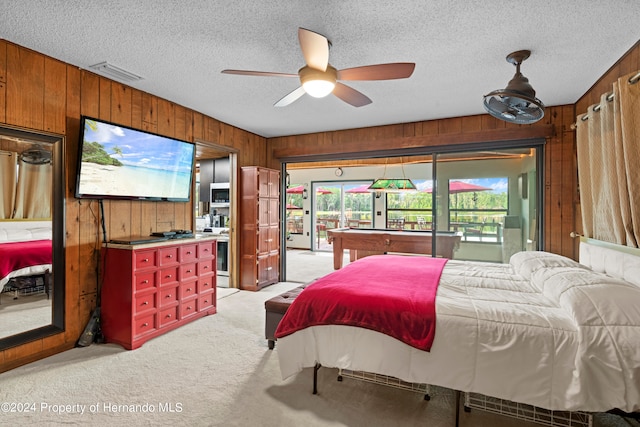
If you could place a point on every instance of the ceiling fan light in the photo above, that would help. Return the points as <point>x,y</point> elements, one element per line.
<point>318,83</point>
<point>318,88</point>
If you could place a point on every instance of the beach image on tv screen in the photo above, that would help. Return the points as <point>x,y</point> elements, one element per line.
<point>119,161</point>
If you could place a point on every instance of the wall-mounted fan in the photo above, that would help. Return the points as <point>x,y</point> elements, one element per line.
<point>517,103</point>
<point>319,78</point>
<point>36,156</point>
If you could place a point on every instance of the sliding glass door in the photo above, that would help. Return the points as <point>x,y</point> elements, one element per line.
<point>338,205</point>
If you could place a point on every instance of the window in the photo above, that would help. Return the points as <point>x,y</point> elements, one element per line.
<point>412,209</point>
<point>477,208</point>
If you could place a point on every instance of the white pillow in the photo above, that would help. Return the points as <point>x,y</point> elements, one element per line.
<point>527,262</point>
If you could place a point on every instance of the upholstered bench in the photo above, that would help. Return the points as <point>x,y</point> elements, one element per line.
<point>275,308</point>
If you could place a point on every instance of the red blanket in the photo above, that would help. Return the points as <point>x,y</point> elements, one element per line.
<point>391,294</point>
<point>17,255</point>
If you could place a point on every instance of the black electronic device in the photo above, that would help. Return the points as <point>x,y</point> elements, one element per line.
<point>163,233</point>
<point>139,240</point>
<point>119,162</point>
<point>182,234</point>
<point>177,231</point>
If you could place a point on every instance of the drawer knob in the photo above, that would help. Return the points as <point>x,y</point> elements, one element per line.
<point>145,260</point>
<point>169,256</point>
<point>188,271</point>
<point>206,301</point>
<point>168,316</point>
<point>145,281</point>
<point>188,308</point>
<point>206,250</point>
<point>188,252</point>
<point>145,303</point>
<point>168,276</point>
<point>145,324</point>
<point>189,289</point>
<point>206,267</point>
<point>168,296</point>
<point>269,268</point>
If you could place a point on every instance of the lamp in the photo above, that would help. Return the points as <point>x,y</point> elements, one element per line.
<point>392,185</point>
<point>318,83</point>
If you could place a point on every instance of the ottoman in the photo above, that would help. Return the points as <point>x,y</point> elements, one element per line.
<point>275,308</point>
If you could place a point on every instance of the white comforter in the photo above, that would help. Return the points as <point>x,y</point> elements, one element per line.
<point>542,330</point>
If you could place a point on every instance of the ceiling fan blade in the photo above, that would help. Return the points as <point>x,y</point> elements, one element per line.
<point>315,49</point>
<point>350,95</point>
<point>290,98</point>
<point>258,73</point>
<point>392,71</point>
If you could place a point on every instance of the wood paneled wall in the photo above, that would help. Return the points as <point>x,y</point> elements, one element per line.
<point>629,63</point>
<point>43,94</point>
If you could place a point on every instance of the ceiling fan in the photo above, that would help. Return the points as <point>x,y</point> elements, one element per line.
<point>517,103</point>
<point>319,78</point>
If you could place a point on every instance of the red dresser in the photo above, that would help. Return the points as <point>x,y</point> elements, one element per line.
<point>150,289</point>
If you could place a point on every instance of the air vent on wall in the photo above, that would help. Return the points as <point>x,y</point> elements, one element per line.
<point>116,73</point>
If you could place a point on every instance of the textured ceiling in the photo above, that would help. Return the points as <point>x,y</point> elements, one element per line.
<point>459,47</point>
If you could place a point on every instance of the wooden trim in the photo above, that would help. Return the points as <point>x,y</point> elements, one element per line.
<point>400,143</point>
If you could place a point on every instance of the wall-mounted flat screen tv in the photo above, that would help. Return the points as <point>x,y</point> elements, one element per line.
<point>118,162</point>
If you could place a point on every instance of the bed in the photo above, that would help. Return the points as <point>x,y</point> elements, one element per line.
<point>25,250</point>
<point>542,330</point>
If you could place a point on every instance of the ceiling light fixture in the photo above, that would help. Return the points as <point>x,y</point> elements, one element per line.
<point>392,185</point>
<point>318,83</point>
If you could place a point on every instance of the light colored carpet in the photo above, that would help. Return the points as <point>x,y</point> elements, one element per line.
<point>216,371</point>
<point>25,313</point>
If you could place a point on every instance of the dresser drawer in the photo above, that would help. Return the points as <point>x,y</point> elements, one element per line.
<point>168,316</point>
<point>168,296</point>
<point>187,253</point>
<point>144,324</point>
<point>144,302</point>
<point>205,284</point>
<point>188,290</point>
<point>205,250</point>
<point>145,259</point>
<point>206,266</point>
<point>168,275</point>
<point>188,271</point>
<point>144,281</point>
<point>167,256</point>
<point>206,301</point>
<point>188,308</point>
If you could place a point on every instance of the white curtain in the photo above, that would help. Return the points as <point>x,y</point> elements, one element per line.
<point>608,149</point>
<point>33,195</point>
<point>8,171</point>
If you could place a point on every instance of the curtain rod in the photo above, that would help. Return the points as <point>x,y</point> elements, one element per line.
<point>632,80</point>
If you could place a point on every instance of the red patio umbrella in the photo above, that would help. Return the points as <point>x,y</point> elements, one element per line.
<point>462,187</point>
<point>361,189</point>
<point>290,206</point>
<point>298,189</point>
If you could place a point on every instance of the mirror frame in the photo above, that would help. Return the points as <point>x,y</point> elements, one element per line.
<point>57,324</point>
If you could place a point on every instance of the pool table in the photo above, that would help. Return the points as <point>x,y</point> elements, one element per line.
<point>368,241</point>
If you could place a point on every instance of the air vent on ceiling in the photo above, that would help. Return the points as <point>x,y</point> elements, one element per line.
<point>116,73</point>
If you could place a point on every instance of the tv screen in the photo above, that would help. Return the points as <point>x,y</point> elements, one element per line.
<point>118,162</point>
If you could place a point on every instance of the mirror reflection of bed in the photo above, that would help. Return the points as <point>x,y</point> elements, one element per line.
<point>25,236</point>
